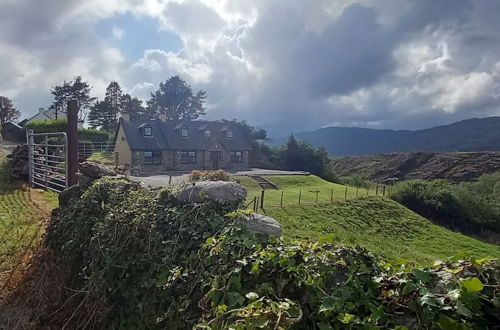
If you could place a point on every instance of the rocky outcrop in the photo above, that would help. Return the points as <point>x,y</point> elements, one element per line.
<point>95,170</point>
<point>453,166</point>
<point>261,224</point>
<point>222,192</point>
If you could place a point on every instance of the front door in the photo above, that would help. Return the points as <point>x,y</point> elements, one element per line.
<point>215,156</point>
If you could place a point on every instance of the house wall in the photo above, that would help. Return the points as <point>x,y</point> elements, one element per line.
<point>179,166</point>
<point>122,149</point>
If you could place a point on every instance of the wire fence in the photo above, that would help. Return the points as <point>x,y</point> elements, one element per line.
<point>100,151</point>
<point>277,198</point>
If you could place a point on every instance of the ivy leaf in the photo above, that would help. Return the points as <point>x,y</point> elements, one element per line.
<point>462,310</point>
<point>324,326</point>
<point>252,296</point>
<point>473,284</point>
<point>327,305</point>
<point>409,287</point>
<point>235,299</point>
<point>345,318</point>
<point>421,275</point>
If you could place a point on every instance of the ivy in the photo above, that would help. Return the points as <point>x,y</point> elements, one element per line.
<point>136,258</point>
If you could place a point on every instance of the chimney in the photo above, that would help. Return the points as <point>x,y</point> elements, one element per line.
<point>162,117</point>
<point>126,116</point>
<point>41,110</point>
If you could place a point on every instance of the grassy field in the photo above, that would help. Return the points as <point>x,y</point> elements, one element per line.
<point>22,214</point>
<point>304,185</point>
<point>379,224</point>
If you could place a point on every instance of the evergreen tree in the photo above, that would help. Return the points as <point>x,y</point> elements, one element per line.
<point>175,98</point>
<point>77,89</point>
<point>7,111</point>
<point>134,107</point>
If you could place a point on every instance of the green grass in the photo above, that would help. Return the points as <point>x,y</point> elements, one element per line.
<point>380,225</point>
<point>22,211</point>
<point>295,185</point>
<point>102,158</point>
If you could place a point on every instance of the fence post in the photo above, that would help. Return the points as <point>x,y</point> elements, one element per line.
<point>31,158</point>
<point>367,189</point>
<point>357,188</point>
<point>300,195</point>
<point>345,194</point>
<point>384,191</point>
<point>262,200</point>
<point>331,196</point>
<point>170,180</point>
<point>376,191</point>
<point>281,203</point>
<point>72,142</point>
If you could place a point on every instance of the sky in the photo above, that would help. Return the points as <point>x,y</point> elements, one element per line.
<point>283,65</point>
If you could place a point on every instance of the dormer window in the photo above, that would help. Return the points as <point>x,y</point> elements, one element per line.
<point>184,132</point>
<point>148,130</point>
<point>208,133</point>
<point>229,133</point>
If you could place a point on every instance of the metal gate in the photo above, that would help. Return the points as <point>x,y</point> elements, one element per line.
<point>47,159</point>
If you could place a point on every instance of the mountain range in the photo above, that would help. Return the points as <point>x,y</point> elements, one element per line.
<point>477,134</point>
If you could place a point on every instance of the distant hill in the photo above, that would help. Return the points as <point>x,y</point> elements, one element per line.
<point>454,166</point>
<point>467,135</point>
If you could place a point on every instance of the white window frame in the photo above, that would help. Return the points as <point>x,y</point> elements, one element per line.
<point>184,130</point>
<point>229,133</point>
<point>148,128</point>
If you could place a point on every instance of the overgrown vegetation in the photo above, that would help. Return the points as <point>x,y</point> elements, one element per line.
<point>216,175</point>
<point>60,125</point>
<point>356,180</point>
<point>158,264</point>
<point>470,207</point>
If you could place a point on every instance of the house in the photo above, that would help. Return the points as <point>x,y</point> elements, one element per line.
<point>49,114</point>
<point>176,145</point>
<point>12,132</point>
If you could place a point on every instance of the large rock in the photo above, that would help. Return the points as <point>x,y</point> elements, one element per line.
<point>261,224</point>
<point>95,170</point>
<point>222,192</point>
<point>67,194</point>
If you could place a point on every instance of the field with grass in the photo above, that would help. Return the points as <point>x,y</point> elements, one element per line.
<point>305,186</point>
<point>379,224</point>
<point>23,212</point>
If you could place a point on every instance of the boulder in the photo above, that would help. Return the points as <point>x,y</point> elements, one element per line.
<point>222,192</point>
<point>67,194</point>
<point>95,170</point>
<point>261,224</point>
<point>83,180</point>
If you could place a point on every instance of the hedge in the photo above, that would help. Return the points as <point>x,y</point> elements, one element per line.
<point>60,125</point>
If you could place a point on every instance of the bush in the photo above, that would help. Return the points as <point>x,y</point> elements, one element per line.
<point>356,180</point>
<point>155,264</point>
<point>218,175</point>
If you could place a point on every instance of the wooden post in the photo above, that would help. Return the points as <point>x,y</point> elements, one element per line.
<point>357,191</point>
<point>300,195</point>
<point>331,196</point>
<point>384,191</point>
<point>72,145</point>
<point>170,180</point>
<point>255,204</point>
<point>281,203</point>
<point>317,193</point>
<point>345,194</point>
<point>376,190</point>
<point>367,189</point>
<point>262,199</point>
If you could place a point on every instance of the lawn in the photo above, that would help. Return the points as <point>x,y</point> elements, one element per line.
<point>382,226</point>
<point>22,214</point>
<point>305,186</point>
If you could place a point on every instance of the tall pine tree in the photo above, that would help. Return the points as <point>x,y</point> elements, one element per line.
<point>77,89</point>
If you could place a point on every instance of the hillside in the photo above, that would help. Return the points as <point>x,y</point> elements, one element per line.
<point>454,166</point>
<point>467,135</point>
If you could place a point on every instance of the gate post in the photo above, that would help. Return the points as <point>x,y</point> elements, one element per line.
<point>72,150</point>
<point>29,138</point>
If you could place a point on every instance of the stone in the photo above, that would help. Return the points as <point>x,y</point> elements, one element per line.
<point>261,224</point>
<point>95,170</point>
<point>67,194</point>
<point>222,192</point>
<point>83,180</point>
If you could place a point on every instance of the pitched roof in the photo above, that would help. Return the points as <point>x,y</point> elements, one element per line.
<point>167,135</point>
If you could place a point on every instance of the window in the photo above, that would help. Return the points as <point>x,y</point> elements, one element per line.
<point>236,156</point>
<point>184,132</point>
<point>188,157</point>
<point>229,133</point>
<point>148,131</point>
<point>152,157</point>
<point>208,133</point>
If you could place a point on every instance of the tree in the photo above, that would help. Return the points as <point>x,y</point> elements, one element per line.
<point>301,155</point>
<point>104,114</point>
<point>175,98</point>
<point>77,89</point>
<point>133,106</point>
<point>7,111</point>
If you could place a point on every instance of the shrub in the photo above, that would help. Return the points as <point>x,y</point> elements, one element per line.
<point>155,264</point>
<point>218,175</point>
<point>60,125</point>
<point>355,180</point>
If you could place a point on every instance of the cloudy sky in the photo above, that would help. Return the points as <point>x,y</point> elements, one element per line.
<point>285,65</point>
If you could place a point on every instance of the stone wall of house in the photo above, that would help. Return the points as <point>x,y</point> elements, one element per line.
<point>167,160</point>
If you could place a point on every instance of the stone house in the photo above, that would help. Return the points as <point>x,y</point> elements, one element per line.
<point>174,145</point>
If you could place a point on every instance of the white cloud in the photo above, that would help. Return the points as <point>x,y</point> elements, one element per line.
<point>117,33</point>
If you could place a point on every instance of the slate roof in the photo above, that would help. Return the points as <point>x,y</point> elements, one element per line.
<point>167,135</point>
